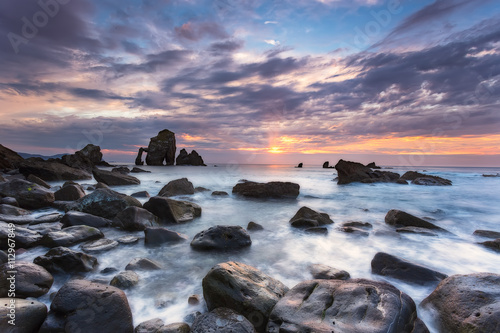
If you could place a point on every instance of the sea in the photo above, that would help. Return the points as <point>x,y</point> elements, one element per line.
<point>285,253</point>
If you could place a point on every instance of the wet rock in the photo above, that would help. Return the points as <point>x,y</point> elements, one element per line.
<point>177,187</point>
<point>357,224</point>
<point>141,194</point>
<point>139,170</point>
<point>401,182</point>
<point>143,264</point>
<point>487,234</point>
<point>105,203</point>
<point>9,201</point>
<point>355,231</point>
<point>114,178</point>
<point>222,320</point>
<point>62,259</point>
<point>26,219</point>
<point>326,165</point>
<point>494,244</point>
<point>69,193</point>
<point>201,189</point>
<point>316,230</point>
<point>123,170</point>
<point>79,300</point>
<point>349,172</point>
<point>422,179</point>
<point>416,230</point>
<point>126,280</point>
<point>128,240</point>
<point>25,238</point>
<point>71,236</point>
<point>220,194</point>
<point>31,280</point>
<point>491,175</point>
<point>174,328</point>
<point>306,217</point>
<point>135,219</point>
<point>244,289</point>
<point>221,238</point>
<point>9,159</point>
<point>158,235</point>
<point>389,265</point>
<point>267,190</point>
<point>161,149</point>
<point>45,228</point>
<point>6,209</point>
<point>99,245</point>
<point>149,326</point>
<point>372,165</point>
<point>194,300</point>
<point>467,303</point>
<point>52,171</point>
<point>324,272</point>
<point>36,180</point>
<point>253,226</point>
<point>93,153</point>
<point>193,158</point>
<point>74,218</point>
<point>356,305</point>
<point>300,165</point>
<point>29,195</point>
<point>29,315</point>
<point>171,211</point>
<point>3,257</point>
<point>399,218</point>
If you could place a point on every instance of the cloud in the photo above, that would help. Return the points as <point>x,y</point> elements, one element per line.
<point>194,31</point>
<point>272,42</point>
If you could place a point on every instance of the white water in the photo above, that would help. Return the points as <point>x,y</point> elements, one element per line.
<point>285,253</point>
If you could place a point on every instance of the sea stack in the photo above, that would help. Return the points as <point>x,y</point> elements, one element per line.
<point>161,148</point>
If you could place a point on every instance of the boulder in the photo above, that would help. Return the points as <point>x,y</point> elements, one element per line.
<point>31,219</point>
<point>105,203</point>
<point>221,238</point>
<point>493,245</point>
<point>31,280</point>
<point>358,224</point>
<point>74,218</point>
<point>161,149</point>
<point>399,218</point>
<point>357,305</point>
<point>114,178</point>
<point>128,240</point>
<point>85,306</point>
<point>174,328</point>
<point>267,190</point>
<point>326,165</point>
<point>316,230</point>
<point>244,289</point>
<point>200,189</point>
<point>220,194</point>
<point>52,171</point>
<point>177,187</point>
<point>135,219</point>
<point>389,265</point>
<point>25,238</point>
<point>149,326</point>
<point>36,180</point>
<point>9,201</point>
<point>467,303</point>
<point>9,159</point>
<point>69,193</point>
<point>324,272</point>
<point>139,170</point>
<point>123,170</point>
<point>63,260</point>
<point>100,245</point>
<point>355,231</point>
<point>193,158</point>
<point>300,165</point>
<point>27,194</point>
<point>29,315</point>
<point>253,226</point>
<point>222,320</point>
<point>70,236</point>
<point>45,228</point>
<point>159,235</point>
<point>372,165</point>
<point>126,280</point>
<point>422,179</point>
<point>416,230</point>
<point>140,194</point>
<point>171,211</point>
<point>487,234</point>
<point>306,217</point>
<point>76,161</point>
<point>143,264</point>
<point>93,153</point>
<point>6,209</point>
<point>349,172</point>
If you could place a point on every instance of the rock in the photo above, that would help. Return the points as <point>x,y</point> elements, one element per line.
<point>349,172</point>
<point>467,303</point>
<point>494,244</point>
<point>201,189</point>
<point>267,190</point>
<point>401,182</point>
<point>174,328</point>
<point>252,226</point>
<point>36,180</point>
<point>194,300</point>
<point>220,194</point>
<point>126,280</point>
<point>27,194</point>
<point>221,238</point>
<point>399,218</point>
<point>128,240</point>
<point>114,178</point>
<point>193,158</point>
<point>306,217</point>
<point>177,187</point>
<point>31,280</point>
<point>161,148</point>
<point>85,306</point>
<point>356,305</point>
<point>93,153</point>
<point>222,320</point>
<point>372,165</point>
<point>3,257</point>
<point>159,235</point>
<point>357,224</point>
<point>61,259</point>
<point>138,159</point>
<point>143,264</point>
<point>139,170</point>
<point>29,314</point>
<point>487,234</point>
<point>109,270</point>
<point>326,165</point>
<point>9,201</point>
<point>300,165</point>
<point>45,228</point>
<point>9,159</point>
<point>316,230</point>
<point>74,218</point>
<point>99,245</point>
<point>244,289</point>
<point>171,211</point>
<point>2,179</point>
<point>422,179</point>
<point>135,219</point>
<point>105,203</point>
<point>141,194</point>
<point>388,265</point>
<point>69,193</point>
<point>324,272</point>
<point>30,219</point>
<point>25,238</point>
<point>52,171</point>
<point>123,170</point>
<point>416,230</point>
<point>491,175</point>
<point>13,210</point>
<point>70,236</point>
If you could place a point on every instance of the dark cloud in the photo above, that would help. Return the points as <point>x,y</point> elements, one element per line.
<point>194,31</point>
<point>226,46</point>
<point>95,94</point>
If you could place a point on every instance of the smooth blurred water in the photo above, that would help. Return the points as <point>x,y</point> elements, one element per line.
<point>285,253</point>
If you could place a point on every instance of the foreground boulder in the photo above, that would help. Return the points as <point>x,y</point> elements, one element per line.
<point>171,211</point>
<point>64,260</point>
<point>52,171</point>
<point>487,234</point>
<point>9,159</point>
<point>399,218</point>
<point>359,305</point>
<point>114,178</point>
<point>135,219</point>
<point>31,280</point>
<point>150,326</point>
<point>193,158</point>
<point>467,303</point>
<point>307,218</point>
<point>221,237</point>
<point>84,306</point>
<point>349,172</point>
<point>69,193</point>
<point>125,280</point>
<point>29,315</point>
<point>222,320</point>
<point>244,289</point>
<point>389,265</point>
<point>143,264</point>
<point>177,187</point>
<point>105,203</point>
<point>267,190</point>
<point>71,236</point>
<point>422,179</point>
<point>29,195</point>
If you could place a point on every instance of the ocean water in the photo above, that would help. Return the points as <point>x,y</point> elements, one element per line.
<point>285,253</point>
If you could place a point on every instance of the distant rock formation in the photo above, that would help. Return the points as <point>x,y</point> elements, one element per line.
<point>192,158</point>
<point>372,165</point>
<point>326,165</point>
<point>161,148</point>
<point>356,172</point>
<point>300,165</point>
<point>418,178</point>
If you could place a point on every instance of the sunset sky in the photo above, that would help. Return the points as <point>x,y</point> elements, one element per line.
<point>284,81</point>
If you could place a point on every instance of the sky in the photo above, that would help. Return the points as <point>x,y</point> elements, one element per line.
<point>397,82</point>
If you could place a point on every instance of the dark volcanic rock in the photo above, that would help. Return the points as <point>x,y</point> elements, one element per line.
<point>30,219</point>
<point>177,187</point>
<point>316,230</point>
<point>62,259</point>
<point>357,224</point>
<point>349,172</point>
<point>159,235</point>
<point>494,244</point>
<point>29,315</point>
<point>45,228</point>
<point>326,165</point>
<point>361,306</point>
<point>267,190</point>
<point>300,165</point>
<point>467,303</point>
<point>27,194</point>
<point>135,219</point>
<point>171,211</point>
<point>71,236</point>
<point>52,171</point>
<point>93,153</point>
<point>221,238</point>
<point>69,193</point>
<point>372,165</point>
<point>9,159</point>
<point>193,158</point>
<point>31,280</point>
<point>99,245</point>
<point>487,234</point>
<point>222,320</point>
<point>253,226</point>
<point>73,218</point>
<point>244,289</point>
<point>324,272</point>
<point>9,201</point>
<point>306,217</point>
<point>114,178</point>
<point>399,218</point>
<point>143,264</point>
<point>388,265</point>
<point>36,180</point>
<point>80,300</point>
<point>105,203</point>
<point>161,148</point>
<point>422,179</point>
<point>125,280</point>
